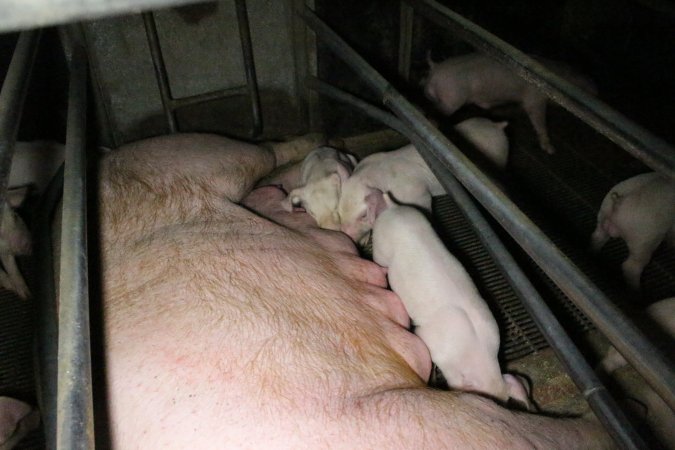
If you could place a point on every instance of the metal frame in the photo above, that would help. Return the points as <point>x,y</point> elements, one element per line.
<point>69,402</point>
<point>171,104</point>
<point>74,401</point>
<point>649,361</point>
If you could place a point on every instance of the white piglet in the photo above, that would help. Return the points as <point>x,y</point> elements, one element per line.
<point>488,137</point>
<point>641,211</point>
<point>402,173</point>
<point>448,312</point>
<point>322,173</point>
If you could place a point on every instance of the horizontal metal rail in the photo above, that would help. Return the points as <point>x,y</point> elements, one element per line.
<point>171,104</point>
<point>624,335</point>
<point>635,139</point>
<point>580,371</point>
<point>12,98</point>
<point>22,14</point>
<point>75,419</point>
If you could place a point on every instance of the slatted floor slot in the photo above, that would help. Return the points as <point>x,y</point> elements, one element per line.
<point>520,336</point>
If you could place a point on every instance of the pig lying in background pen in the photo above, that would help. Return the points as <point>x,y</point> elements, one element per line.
<point>448,312</point>
<point>233,323</point>
<point>485,82</point>
<point>641,211</point>
<point>403,173</point>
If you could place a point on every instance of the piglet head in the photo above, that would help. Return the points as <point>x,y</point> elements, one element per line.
<point>320,199</point>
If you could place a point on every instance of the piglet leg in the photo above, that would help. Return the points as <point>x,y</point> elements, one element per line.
<point>536,111</point>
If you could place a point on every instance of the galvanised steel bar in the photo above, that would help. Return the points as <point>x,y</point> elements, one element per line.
<point>160,70</point>
<point>581,373</point>
<point>208,96</point>
<point>635,139</point>
<point>75,420</point>
<point>12,98</point>
<point>405,37</point>
<point>629,341</point>
<point>45,291</point>
<point>249,65</point>
<point>22,14</point>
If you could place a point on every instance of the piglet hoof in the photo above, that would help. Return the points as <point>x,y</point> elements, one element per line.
<point>519,390</point>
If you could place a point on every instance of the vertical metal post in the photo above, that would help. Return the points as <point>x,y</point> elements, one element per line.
<point>249,65</point>
<point>12,98</point>
<point>405,37</point>
<point>160,70</point>
<point>75,422</point>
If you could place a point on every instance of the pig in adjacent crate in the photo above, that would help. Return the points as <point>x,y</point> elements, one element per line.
<point>641,211</point>
<point>485,82</point>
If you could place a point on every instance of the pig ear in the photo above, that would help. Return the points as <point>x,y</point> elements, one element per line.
<point>16,196</point>
<point>293,199</point>
<point>375,204</point>
<point>429,60</point>
<point>503,124</point>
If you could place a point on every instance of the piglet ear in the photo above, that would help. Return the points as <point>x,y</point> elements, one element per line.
<point>16,196</point>
<point>375,204</point>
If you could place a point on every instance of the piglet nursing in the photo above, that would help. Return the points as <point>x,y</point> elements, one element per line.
<point>322,173</point>
<point>641,211</point>
<point>485,82</point>
<point>449,314</point>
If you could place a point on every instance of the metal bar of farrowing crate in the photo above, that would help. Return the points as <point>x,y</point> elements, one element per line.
<point>635,139</point>
<point>405,35</point>
<point>170,104</point>
<point>249,66</point>
<point>160,70</point>
<point>45,292</point>
<point>12,98</point>
<point>581,373</point>
<point>75,419</point>
<point>624,335</point>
